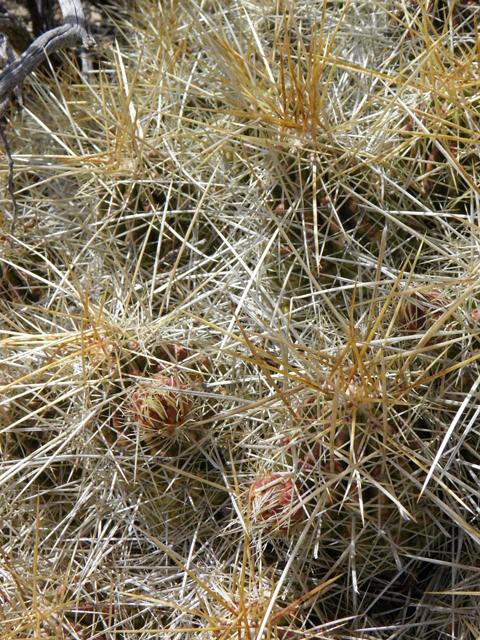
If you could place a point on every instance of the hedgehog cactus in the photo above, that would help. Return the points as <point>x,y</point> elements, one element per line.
<point>159,407</point>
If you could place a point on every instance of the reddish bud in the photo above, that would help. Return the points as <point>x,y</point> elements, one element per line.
<point>157,406</point>
<point>272,497</point>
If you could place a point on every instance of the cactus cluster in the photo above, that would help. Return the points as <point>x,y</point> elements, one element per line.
<point>240,326</point>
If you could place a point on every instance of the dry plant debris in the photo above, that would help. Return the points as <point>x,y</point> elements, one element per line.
<point>272,206</point>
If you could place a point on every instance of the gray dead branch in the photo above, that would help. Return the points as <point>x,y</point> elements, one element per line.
<point>74,31</point>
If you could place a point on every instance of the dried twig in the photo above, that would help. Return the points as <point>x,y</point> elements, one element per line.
<point>10,176</point>
<point>73,31</point>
